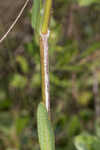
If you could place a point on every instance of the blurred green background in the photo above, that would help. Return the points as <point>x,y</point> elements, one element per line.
<point>74,58</point>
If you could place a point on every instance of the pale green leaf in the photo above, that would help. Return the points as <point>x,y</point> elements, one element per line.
<point>36,15</point>
<point>45,131</point>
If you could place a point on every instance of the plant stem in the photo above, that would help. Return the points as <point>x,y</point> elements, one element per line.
<point>44,55</point>
<point>46,17</point>
<point>45,70</point>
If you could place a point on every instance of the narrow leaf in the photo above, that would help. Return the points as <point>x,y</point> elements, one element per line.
<point>36,14</point>
<point>45,131</point>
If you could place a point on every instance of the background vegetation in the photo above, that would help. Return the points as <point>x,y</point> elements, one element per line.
<point>74,77</point>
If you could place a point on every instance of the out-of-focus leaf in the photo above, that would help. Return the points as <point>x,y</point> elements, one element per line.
<point>5,130</point>
<point>72,68</point>
<point>87,142</point>
<point>73,126</point>
<point>58,82</point>
<point>23,63</point>
<point>5,103</point>
<point>87,2</point>
<point>97,128</point>
<point>68,54</point>
<point>2,95</point>
<point>86,114</point>
<point>18,81</point>
<point>35,81</point>
<point>21,123</point>
<point>84,98</point>
<point>5,123</point>
<point>95,46</point>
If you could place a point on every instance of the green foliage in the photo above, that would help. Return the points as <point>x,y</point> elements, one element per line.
<point>21,123</point>
<point>87,2</point>
<point>23,63</point>
<point>45,131</point>
<point>74,58</point>
<point>84,98</point>
<point>87,142</point>
<point>97,128</point>
<point>18,81</point>
<point>73,126</point>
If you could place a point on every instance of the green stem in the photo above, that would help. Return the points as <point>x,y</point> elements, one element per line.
<point>46,17</point>
<point>44,54</point>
